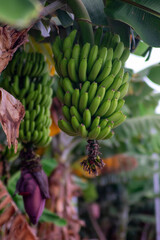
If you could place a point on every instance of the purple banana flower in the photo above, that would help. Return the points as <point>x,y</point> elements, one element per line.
<point>33,186</point>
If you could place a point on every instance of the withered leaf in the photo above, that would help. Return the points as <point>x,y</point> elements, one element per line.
<point>10,40</point>
<point>11,114</point>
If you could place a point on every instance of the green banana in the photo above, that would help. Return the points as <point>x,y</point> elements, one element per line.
<point>92,58</point>
<point>101,92</point>
<point>67,85</point>
<point>104,132</point>
<point>109,94</point>
<point>115,41</point>
<point>105,72</point>
<point>75,123</point>
<point>74,112</point>
<point>95,70</point>
<point>75,98</point>
<point>125,77</point>
<point>116,83</point>
<point>67,99</point>
<point>117,64</point>
<point>115,116</point>
<point>83,102</point>
<point>87,118</point>
<point>103,54</point>
<point>83,70</point>
<point>112,108</point>
<point>103,123</point>
<point>117,94</point>
<point>92,92</point>
<point>93,134</point>
<point>123,89</point>
<point>125,55</point>
<point>68,53</point>
<point>85,51</point>
<point>98,36</point>
<point>72,70</point>
<point>118,50</point>
<point>66,127</point>
<point>66,112</point>
<point>85,87</point>
<point>119,121</point>
<point>120,104</point>
<point>94,105</point>
<point>76,54</point>
<point>63,67</point>
<point>60,93</point>
<point>95,122</point>
<point>107,82</point>
<point>15,85</point>
<point>104,107</point>
<point>109,54</point>
<point>83,131</point>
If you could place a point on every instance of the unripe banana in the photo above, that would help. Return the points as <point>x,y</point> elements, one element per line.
<point>103,123</point>
<point>87,118</point>
<point>72,70</point>
<point>85,51</point>
<point>105,39</point>
<point>68,53</point>
<point>67,85</point>
<point>101,92</point>
<point>125,77</point>
<point>95,70</point>
<point>95,122</point>
<point>67,99</point>
<point>66,112</point>
<point>103,54</point>
<point>116,67</point>
<point>115,116</point>
<point>74,112</point>
<point>109,54</point>
<point>123,89</point>
<point>15,85</point>
<point>117,94</point>
<point>92,58</point>
<point>115,41</point>
<point>104,107</point>
<point>120,120</point>
<point>83,131</point>
<point>75,123</point>
<point>83,70</point>
<point>60,93</point>
<point>104,132</point>
<point>105,72</point>
<point>92,92</point>
<point>109,94</point>
<point>76,54</point>
<point>93,134</point>
<point>107,82</point>
<point>83,102</point>
<point>31,105</point>
<point>85,87</point>
<point>32,126</point>
<point>57,46</point>
<point>33,114</point>
<point>75,98</point>
<point>66,127</point>
<point>112,108</point>
<point>120,104</point>
<point>111,134</point>
<point>67,43</point>
<point>72,36</point>
<point>94,105</point>
<point>125,55</point>
<point>63,67</point>
<point>98,36</point>
<point>118,50</point>
<point>116,83</point>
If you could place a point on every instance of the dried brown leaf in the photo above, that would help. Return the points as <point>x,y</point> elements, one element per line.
<point>10,40</point>
<point>19,230</point>
<point>11,114</point>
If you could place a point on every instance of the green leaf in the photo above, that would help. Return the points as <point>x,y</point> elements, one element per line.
<point>19,13</point>
<point>154,74</point>
<point>12,182</point>
<point>64,18</point>
<point>48,216</point>
<point>141,48</point>
<point>49,164</point>
<point>96,11</point>
<point>143,21</point>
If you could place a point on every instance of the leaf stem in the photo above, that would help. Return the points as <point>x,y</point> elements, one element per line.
<point>51,8</point>
<point>155,13</point>
<point>80,12</point>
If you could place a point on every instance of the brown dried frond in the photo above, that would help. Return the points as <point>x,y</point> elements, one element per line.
<point>19,228</point>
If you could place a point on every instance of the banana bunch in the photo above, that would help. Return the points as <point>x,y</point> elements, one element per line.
<point>35,93</point>
<point>92,84</point>
<point>27,64</point>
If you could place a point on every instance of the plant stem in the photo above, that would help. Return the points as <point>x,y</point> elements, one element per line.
<point>83,19</point>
